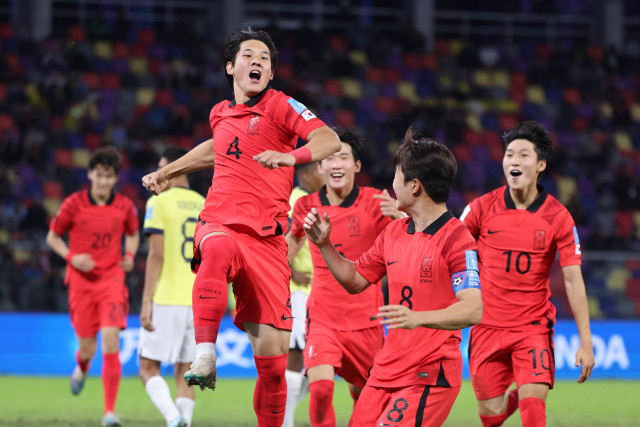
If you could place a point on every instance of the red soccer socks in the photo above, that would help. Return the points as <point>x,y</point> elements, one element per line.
<point>210,292</point>
<point>270,394</point>
<point>321,413</point>
<point>111,373</point>
<point>498,420</point>
<point>533,412</point>
<point>83,364</point>
<point>512,406</point>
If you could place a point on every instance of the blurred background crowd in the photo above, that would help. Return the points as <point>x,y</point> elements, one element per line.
<point>143,85</point>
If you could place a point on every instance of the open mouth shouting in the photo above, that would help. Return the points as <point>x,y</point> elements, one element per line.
<point>255,75</point>
<point>516,173</point>
<point>336,177</point>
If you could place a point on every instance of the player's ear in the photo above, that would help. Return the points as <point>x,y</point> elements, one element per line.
<point>416,186</point>
<point>358,166</point>
<point>542,165</point>
<point>273,72</point>
<point>229,68</point>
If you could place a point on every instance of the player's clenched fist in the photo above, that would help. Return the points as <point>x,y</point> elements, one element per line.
<point>127,263</point>
<point>155,182</point>
<point>398,317</point>
<point>83,262</point>
<point>317,228</point>
<point>145,316</point>
<point>273,159</point>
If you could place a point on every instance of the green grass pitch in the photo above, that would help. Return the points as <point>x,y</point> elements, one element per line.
<point>37,401</point>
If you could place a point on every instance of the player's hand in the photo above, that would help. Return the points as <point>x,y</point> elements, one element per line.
<point>301,277</point>
<point>127,263</point>
<point>317,228</point>
<point>388,205</point>
<point>83,262</point>
<point>145,316</point>
<point>398,317</point>
<point>155,182</point>
<point>585,357</point>
<point>273,159</point>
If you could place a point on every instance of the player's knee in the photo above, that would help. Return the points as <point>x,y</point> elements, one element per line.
<point>493,420</point>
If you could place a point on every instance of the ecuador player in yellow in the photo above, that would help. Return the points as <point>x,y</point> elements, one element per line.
<point>309,181</point>
<point>167,333</point>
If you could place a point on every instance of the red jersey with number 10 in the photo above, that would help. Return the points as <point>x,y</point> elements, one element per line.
<point>242,191</point>
<point>517,249</point>
<point>355,224</point>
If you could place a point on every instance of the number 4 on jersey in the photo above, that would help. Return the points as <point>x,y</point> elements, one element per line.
<point>236,151</point>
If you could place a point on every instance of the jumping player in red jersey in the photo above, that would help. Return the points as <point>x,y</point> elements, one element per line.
<point>431,263</point>
<point>340,335</point>
<point>239,237</point>
<point>95,221</point>
<point>519,228</point>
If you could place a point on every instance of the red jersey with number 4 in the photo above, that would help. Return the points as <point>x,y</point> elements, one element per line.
<point>517,248</point>
<point>355,224</point>
<point>419,266</point>
<point>242,191</point>
<point>95,230</point>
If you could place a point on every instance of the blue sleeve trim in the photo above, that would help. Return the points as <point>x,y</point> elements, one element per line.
<point>472,260</point>
<point>469,279</point>
<point>148,231</point>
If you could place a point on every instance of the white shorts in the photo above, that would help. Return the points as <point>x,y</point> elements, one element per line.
<point>299,313</point>
<point>173,339</point>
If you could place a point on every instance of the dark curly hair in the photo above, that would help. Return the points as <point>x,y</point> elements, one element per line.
<point>107,157</point>
<point>533,132</point>
<point>232,47</point>
<point>352,138</point>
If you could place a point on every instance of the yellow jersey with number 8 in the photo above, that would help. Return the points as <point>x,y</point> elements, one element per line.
<point>174,214</point>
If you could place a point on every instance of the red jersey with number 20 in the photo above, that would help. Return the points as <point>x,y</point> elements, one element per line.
<point>355,224</point>
<point>419,266</point>
<point>242,191</point>
<point>517,249</point>
<point>95,230</point>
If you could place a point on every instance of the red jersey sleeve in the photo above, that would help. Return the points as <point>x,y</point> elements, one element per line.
<point>131,223</point>
<point>456,248</point>
<point>293,117</point>
<point>567,240</point>
<point>470,218</point>
<point>63,220</point>
<point>371,264</point>
<point>297,218</point>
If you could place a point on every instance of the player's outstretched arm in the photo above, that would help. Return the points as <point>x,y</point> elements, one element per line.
<point>155,258</point>
<point>82,262</point>
<point>577,295</point>
<point>344,271</point>
<point>201,157</point>
<point>466,312</point>
<point>131,244</point>
<point>321,143</point>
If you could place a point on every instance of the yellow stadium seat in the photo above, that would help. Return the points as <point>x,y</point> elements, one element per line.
<point>622,141</point>
<point>536,95</point>
<point>81,158</point>
<point>51,205</point>
<point>473,122</point>
<point>446,80</point>
<point>102,49</point>
<point>455,46</point>
<point>450,102</point>
<point>358,57</point>
<point>508,106</point>
<point>566,188</point>
<point>5,237</point>
<point>502,79</point>
<point>463,86</point>
<point>606,110</point>
<point>635,112</point>
<point>138,66</point>
<point>594,307</point>
<point>145,96</point>
<point>351,88</point>
<point>481,78</point>
<point>617,279</point>
<point>430,102</point>
<point>407,90</point>
<point>636,222</point>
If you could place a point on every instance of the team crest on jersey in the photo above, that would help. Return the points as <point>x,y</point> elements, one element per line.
<point>426,267</point>
<point>254,121</point>
<point>539,240</point>
<point>313,351</point>
<point>354,225</point>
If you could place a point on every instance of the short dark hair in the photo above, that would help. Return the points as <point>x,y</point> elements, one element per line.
<point>533,132</point>
<point>173,153</point>
<point>352,138</point>
<point>429,162</point>
<point>232,47</point>
<point>303,168</point>
<point>107,157</point>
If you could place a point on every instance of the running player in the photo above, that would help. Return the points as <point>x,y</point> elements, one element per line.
<point>431,263</point>
<point>341,337</point>
<point>309,180</point>
<point>240,235</point>
<point>519,228</point>
<point>95,221</point>
<point>166,317</point>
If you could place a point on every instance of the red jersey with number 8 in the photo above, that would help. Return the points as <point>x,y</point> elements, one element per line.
<point>518,248</point>
<point>242,191</point>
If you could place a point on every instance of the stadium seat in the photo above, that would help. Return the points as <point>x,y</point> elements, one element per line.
<point>138,66</point>
<point>572,96</point>
<point>345,118</point>
<point>6,123</point>
<point>52,189</point>
<point>622,141</point>
<point>358,57</point>
<point>595,52</point>
<point>536,95</point>
<point>92,80</point>
<point>145,96</point>
<point>146,37</point>
<point>567,187</point>
<point>351,88</point>
<point>407,91</point>
<point>77,34</point>
<point>624,223</point>
<point>103,49</point>
<point>62,158</point>
<point>429,62</point>
<point>51,205</point>
<point>442,47</point>
<point>333,87</point>
<point>633,288</point>
<point>81,158</point>
<point>110,81</point>
<point>617,279</point>
<point>594,307</point>
<point>635,112</point>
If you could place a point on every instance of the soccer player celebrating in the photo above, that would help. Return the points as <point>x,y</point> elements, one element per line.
<point>341,337</point>
<point>166,317</point>
<point>240,234</point>
<point>309,180</point>
<point>95,220</point>
<point>431,263</point>
<point>519,227</point>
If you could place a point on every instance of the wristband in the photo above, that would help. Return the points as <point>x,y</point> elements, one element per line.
<point>130,255</point>
<point>302,155</point>
<point>69,256</point>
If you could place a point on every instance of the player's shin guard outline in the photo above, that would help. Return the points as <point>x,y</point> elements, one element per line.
<point>270,394</point>
<point>321,412</point>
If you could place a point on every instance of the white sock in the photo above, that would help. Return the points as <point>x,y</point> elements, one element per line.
<point>185,406</point>
<point>205,348</point>
<point>160,395</point>
<point>295,394</point>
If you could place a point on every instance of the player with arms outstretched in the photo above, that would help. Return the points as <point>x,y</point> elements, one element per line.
<point>519,228</point>
<point>239,237</point>
<point>95,221</point>
<point>431,263</point>
<point>340,337</point>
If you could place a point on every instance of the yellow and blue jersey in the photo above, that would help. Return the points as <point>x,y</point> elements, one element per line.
<point>302,261</point>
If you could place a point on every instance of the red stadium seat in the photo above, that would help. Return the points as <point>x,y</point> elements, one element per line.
<point>139,51</point>
<point>333,87</point>
<point>3,92</point>
<point>507,121</point>
<point>442,47</point>
<point>411,61</point>
<point>385,105</point>
<point>6,122</point>
<point>337,44</point>
<point>519,80</point>
<point>6,31</point>
<point>374,75</point>
<point>633,289</point>
<point>110,81</point>
<point>52,189</point>
<point>92,141</point>
<point>202,130</point>
<point>462,153</point>
<point>63,158</point>
<point>120,51</point>
<point>345,118</point>
<point>147,37</point>
<point>392,75</point>
<point>92,80</point>
<point>543,51</point>
<point>595,52</point>
<point>77,34</point>
<point>472,138</point>
<point>624,223</point>
<point>164,97</point>
<point>429,62</point>
<point>285,72</point>
<point>572,96</point>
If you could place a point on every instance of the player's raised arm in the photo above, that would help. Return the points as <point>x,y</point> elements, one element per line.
<point>321,143</point>
<point>201,157</point>
<point>344,271</point>
<point>574,284</point>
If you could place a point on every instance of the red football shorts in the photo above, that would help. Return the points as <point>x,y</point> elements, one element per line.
<point>351,353</point>
<point>416,405</point>
<point>260,274</point>
<point>103,306</point>
<point>499,357</point>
